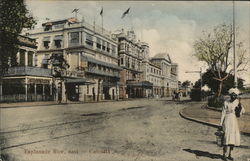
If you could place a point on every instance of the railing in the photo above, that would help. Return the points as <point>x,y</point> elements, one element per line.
<point>101,72</point>
<point>27,70</point>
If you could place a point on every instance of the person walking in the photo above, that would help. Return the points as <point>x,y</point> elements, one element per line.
<point>229,123</point>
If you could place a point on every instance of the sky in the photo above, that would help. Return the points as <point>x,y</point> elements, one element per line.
<point>167,26</point>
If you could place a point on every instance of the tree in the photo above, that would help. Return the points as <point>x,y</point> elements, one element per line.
<point>14,17</point>
<point>59,66</point>
<point>185,84</point>
<point>214,49</point>
<point>207,78</point>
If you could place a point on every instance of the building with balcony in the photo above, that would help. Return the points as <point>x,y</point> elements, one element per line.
<point>131,55</point>
<point>90,51</point>
<point>25,81</point>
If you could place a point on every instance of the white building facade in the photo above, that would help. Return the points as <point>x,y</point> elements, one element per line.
<point>91,53</point>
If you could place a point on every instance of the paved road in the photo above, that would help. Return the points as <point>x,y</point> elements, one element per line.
<point>147,130</point>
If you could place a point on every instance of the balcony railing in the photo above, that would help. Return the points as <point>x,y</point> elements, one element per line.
<point>101,72</point>
<point>27,70</point>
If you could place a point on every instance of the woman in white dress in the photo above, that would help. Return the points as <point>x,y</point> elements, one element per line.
<point>229,123</point>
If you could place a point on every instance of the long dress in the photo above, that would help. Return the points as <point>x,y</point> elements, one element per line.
<point>229,123</point>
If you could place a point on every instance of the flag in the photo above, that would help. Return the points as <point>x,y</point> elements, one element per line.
<point>101,12</point>
<point>125,13</point>
<point>75,10</point>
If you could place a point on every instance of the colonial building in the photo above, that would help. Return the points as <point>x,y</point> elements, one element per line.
<point>131,55</point>
<point>169,72</point>
<point>162,72</point>
<point>91,53</point>
<point>26,81</point>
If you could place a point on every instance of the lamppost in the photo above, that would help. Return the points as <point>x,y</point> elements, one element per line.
<point>200,71</point>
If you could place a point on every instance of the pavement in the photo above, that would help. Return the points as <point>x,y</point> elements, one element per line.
<point>52,103</point>
<point>211,116</point>
<point>204,114</point>
<point>135,130</point>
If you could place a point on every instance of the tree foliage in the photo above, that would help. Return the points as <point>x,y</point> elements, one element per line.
<point>13,18</point>
<point>185,84</point>
<point>213,84</point>
<point>214,49</point>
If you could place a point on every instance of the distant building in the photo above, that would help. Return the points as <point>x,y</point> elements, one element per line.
<point>91,52</point>
<point>131,55</point>
<point>26,81</point>
<point>163,73</point>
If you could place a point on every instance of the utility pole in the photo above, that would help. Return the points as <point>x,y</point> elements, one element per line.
<point>200,71</point>
<point>234,53</point>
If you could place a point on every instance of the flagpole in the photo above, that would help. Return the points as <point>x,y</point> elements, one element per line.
<point>102,23</point>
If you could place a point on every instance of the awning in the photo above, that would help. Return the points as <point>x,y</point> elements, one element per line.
<point>93,60</point>
<point>58,37</point>
<point>145,84</point>
<point>46,38</point>
<point>78,81</point>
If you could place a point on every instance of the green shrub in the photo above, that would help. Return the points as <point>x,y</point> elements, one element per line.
<point>216,102</point>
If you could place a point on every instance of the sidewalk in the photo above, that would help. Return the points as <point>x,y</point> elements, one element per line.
<point>212,117</point>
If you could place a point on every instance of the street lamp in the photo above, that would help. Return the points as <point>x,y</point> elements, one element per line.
<point>200,71</point>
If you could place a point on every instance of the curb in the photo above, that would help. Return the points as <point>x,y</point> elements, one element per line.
<point>204,122</point>
<point>197,120</point>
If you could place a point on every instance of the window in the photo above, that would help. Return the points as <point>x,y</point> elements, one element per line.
<point>74,37</point>
<point>22,57</point>
<point>87,89</point>
<point>103,45</point>
<point>108,47</point>
<point>46,44</point>
<point>121,60</point>
<point>98,43</point>
<point>58,43</point>
<point>46,41</point>
<point>89,39</point>
<point>30,58</point>
<point>45,61</point>
<point>113,49</point>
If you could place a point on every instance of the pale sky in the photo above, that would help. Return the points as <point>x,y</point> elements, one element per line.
<point>168,26</point>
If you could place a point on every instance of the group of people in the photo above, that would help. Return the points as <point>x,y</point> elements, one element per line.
<point>176,96</point>
<point>232,109</point>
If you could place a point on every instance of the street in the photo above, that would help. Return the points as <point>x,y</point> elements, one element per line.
<point>138,130</point>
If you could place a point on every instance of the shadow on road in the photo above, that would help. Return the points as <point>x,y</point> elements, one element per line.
<point>200,153</point>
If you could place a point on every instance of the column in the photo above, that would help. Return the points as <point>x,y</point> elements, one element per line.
<point>79,60</point>
<point>1,91</point>
<point>18,57</point>
<point>26,89</point>
<point>26,58</point>
<point>43,93</point>
<point>51,89</point>
<point>33,59</point>
<point>35,92</point>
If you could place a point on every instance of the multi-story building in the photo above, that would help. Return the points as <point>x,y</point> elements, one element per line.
<point>162,72</point>
<point>90,51</point>
<point>169,71</point>
<point>130,59</point>
<point>24,80</point>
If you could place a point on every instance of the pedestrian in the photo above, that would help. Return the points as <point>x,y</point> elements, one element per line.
<point>229,123</point>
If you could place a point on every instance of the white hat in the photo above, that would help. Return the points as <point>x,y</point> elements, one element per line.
<point>234,90</point>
